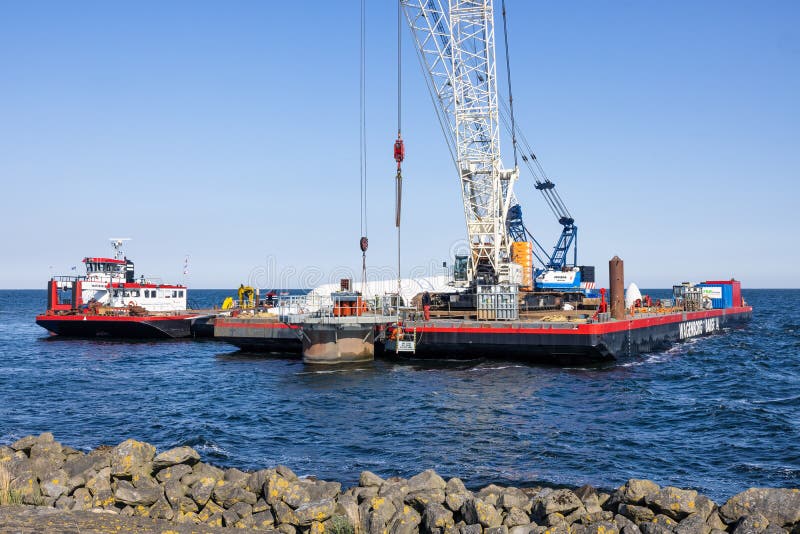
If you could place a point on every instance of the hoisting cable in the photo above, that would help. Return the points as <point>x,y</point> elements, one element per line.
<point>364,241</point>
<point>399,147</point>
<point>508,77</point>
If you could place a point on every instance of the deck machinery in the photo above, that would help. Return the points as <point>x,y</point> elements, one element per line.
<point>456,49</point>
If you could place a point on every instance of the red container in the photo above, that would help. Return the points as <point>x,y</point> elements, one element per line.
<point>736,288</point>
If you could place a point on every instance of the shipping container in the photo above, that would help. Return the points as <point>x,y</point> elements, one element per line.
<point>736,290</point>
<point>721,295</point>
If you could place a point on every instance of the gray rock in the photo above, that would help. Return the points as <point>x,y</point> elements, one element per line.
<point>421,499</point>
<point>55,484</point>
<point>561,501</point>
<point>623,522</point>
<point>177,455</point>
<point>368,478</point>
<point>654,528</point>
<point>227,494</point>
<point>780,506</point>
<point>202,489</point>
<point>752,524</point>
<point>515,498</point>
<point>279,488</point>
<point>132,457</point>
<point>347,506</point>
<point>185,505</point>
<point>24,444</point>
<point>455,501</point>
<point>174,490</point>
<point>365,493</point>
<point>673,502</point>
<point>200,471</point>
<point>471,529</point>
<point>522,529</point>
<point>255,481</point>
<point>50,451</point>
<point>174,472</point>
<point>601,527</point>
<point>237,477</point>
<point>230,518</point>
<point>715,522</point>
<point>426,481</point>
<point>704,506</point>
<point>635,490</point>
<point>263,520</point>
<point>285,528</point>
<point>455,485</point>
<point>555,519</point>
<point>28,486</point>
<point>576,515</point>
<point>637,514</point>
<point>491,494</point>
<point>126,493</point>
<point>161,510</point>
<point>630,529</point>
<point>502,529</point>
<point>436,518</point>
<point>83,499</point>
<point>665,521</point>
<point>284,513</point>
<point>476,510</point>
<point>516,517</point>
<point>406,520</point>
<point>319,490</point>
<point>316,511</point>
<point>243,509</point>
<point>596,517</point>
<point>693,524</point>
<point>94,461</point>
<point>65,503</point>
<point>286,473</point>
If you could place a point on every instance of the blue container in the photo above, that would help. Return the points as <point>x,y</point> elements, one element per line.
<point>721,295</point>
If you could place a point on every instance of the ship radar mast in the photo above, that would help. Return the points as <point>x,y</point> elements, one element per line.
<point>117,242</point>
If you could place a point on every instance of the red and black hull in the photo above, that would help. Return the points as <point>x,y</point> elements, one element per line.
<point>128,327</point>
<point>566,343</point>
<point>254,335</point>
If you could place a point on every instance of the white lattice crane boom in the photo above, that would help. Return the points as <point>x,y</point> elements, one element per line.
<point>456,48</point>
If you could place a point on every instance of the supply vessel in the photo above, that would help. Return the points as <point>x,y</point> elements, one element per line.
<point>109,301</point>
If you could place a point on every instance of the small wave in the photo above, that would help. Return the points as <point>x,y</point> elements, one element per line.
<point>330,371</point>
<point>784,400</point>
<point>497,368</point>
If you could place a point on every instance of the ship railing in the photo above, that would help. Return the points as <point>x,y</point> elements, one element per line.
<point>68,278</point>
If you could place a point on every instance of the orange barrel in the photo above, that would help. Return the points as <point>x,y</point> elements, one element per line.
<point>522,254</point>
<point>346,309</point>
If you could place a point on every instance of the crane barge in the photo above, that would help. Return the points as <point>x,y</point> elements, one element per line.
<point>501,305</point>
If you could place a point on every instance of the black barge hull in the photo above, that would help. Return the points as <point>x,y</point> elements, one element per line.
<point>255,335</point>
<point>87,326</point>
<point>564,343</point>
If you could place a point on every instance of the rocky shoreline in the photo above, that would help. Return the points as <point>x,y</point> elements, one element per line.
<point>132,480</point>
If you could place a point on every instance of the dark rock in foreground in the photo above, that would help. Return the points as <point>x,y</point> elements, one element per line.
<point>132,488</point>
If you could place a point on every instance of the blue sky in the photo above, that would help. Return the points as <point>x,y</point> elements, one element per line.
<point>229,132</point>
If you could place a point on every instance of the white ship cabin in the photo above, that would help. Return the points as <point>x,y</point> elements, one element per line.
<point>100,274</point>
<point>152,297</point>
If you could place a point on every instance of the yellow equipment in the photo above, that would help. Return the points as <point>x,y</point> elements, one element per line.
<point>247,297</point>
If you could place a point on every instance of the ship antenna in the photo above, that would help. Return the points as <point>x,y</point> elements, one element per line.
<point>117,242</point>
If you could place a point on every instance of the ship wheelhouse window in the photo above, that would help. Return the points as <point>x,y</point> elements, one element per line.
<point>180,294</point>
<point>174,294</point>
<point>147,293</point>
